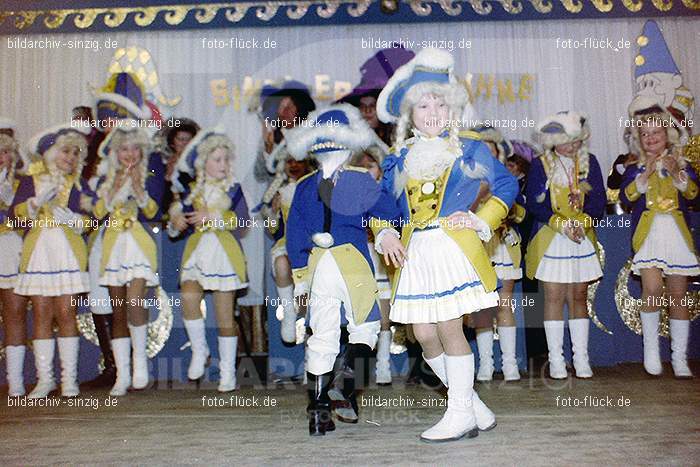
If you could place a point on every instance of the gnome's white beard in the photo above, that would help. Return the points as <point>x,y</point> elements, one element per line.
<point>330,161</point>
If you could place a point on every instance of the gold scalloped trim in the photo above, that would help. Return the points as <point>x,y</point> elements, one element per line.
<point>205,13</point>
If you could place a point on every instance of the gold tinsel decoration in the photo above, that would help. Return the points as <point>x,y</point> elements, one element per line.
<point>158,330</point>
<point>692,152</point>
<point>590,299</point>
<point>630,307</point>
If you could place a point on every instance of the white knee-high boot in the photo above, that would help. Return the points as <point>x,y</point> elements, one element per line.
<point>44,351</point>
<point>121,348</point>
<point>68,348</point>
<point>484,342</point>
<point>554,330</point>
<point>196,331</point>
<point>459,419</point>
<point>227,363</point>
<point>485,418</point>
<point>579,343</point>
<point>650,338</point>
<point>139,334</point>
<point>288,324</point>
<point>679,347</point>
<point>509,363</point>
<point>383,366</point>
<point>15,369</point>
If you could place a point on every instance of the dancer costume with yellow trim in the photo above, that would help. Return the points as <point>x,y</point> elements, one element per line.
<point>327,246</point>
<point>10,255</point>
<point>10,238</point>
<point>128,251</point>
<point>54,255</point>
<point>213,256</point>
<point>552,182</point>
<point>504,246</point>
<point>660,219</point>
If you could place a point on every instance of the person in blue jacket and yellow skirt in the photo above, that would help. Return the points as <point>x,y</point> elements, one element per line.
<point>443,269</point>
<point>660,189</point>
<point>53,266</point>
<point>566,195</point>
<point>127,196</point>
<point>211,209</point>
<point>327,247</point>
<point>504,250</point>
<point>13,306</point>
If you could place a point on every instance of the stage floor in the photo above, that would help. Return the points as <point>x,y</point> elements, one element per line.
<point>650,421</point>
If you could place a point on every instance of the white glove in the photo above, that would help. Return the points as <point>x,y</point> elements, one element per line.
<point>45,195</point>
<point>300,289</point>
<point>67,217</point>
<point>3,174</point>
<point>6,192</point>
<point>511,237</point>
<point>482,228</point>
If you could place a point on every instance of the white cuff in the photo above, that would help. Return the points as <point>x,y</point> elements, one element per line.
<point>641,187</point>
<point>483,230</point>
<point>683,184</point>
<point>620,168</point>
<point>300,289</point>
<point>380,236</point>
<point>172,231</point>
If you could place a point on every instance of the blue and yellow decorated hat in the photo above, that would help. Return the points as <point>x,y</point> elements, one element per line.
<point>338,127</point>
<point>561,128</point>
<point>122,97</point>
<point>429,65</point>
<point>44,140</point>
<point>654,55</point>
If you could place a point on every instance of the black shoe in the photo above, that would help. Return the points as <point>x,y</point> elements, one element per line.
<point>319,408</point>
<point>353,374</point>
<point>104,380</point>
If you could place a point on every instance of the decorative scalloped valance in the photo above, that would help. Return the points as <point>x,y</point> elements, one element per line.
<point>101,15</point>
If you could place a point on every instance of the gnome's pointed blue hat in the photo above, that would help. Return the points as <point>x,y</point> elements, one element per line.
<point>122,97</point>
<point>336,128</point>
<point>654,55</point>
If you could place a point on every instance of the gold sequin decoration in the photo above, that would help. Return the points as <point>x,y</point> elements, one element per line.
<point>158,330</point>
<point>692,152</point>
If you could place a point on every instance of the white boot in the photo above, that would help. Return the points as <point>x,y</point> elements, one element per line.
<point>68,348</point>
<point>227,363</point>
<point>650,335</point>
<point>288,325</point>
<point>121,348</point>
<point>509,363</point>
<point>383,367</point>
<point>200,350</point>
<point>44,350</point>
<point>680,329</point>
<point>15,369</point>
<point>459,420</point>
<point>554,330</point>
<point>139,380</point>
<point>484,342</point>
<point>578,328</point>
<point>485,418</point>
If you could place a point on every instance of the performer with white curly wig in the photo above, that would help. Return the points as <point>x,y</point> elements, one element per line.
<point>210,213</point>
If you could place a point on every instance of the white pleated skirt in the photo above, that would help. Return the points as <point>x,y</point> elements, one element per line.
<point>126,263</point>
<point>210,266</point>
<point>502,262</point>
<point>568,262</point>
<point>10,255</point>
<point>666,249</point>
<point>437,282</point>
<point>53,269</point>
<point>380,274</point>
